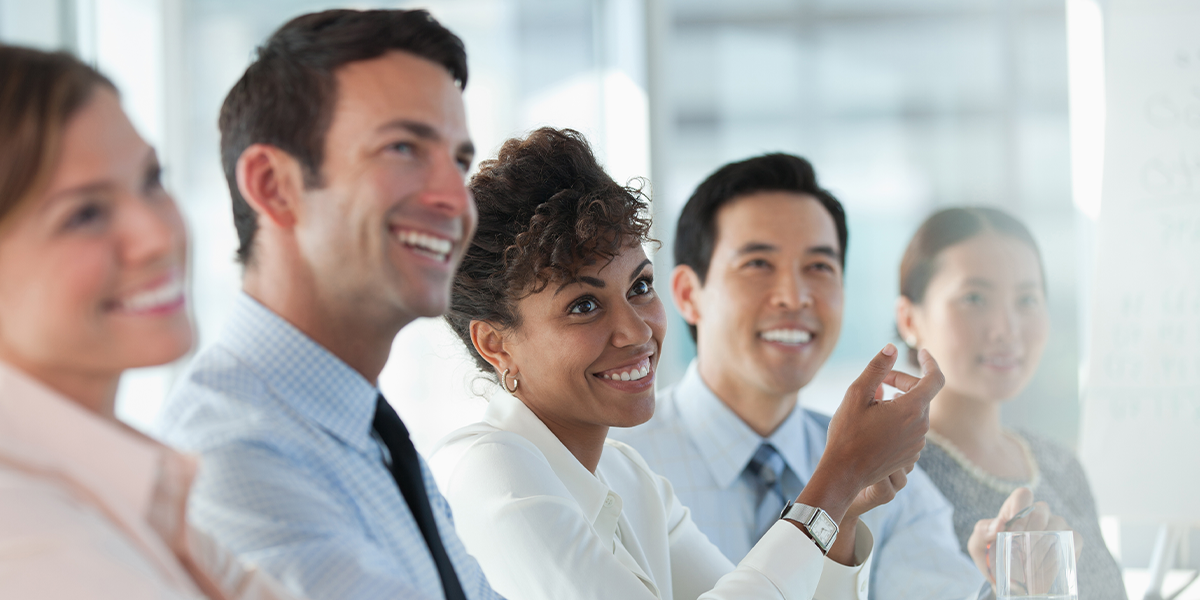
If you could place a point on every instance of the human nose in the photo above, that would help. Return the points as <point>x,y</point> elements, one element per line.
<point>153,229</point>
<point>792,291</point>
<point>1005,324</point>
<point>446,190</point>
<point>632,328</point>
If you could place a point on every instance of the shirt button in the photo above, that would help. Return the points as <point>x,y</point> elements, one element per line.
<point>862,587</point>
<point>608,501</point>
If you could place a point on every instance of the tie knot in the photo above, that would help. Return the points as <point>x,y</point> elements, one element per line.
<point>767,465</point>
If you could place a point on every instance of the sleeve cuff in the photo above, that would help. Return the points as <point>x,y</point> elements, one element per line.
<point>841,581</point>
<point>789,559</point>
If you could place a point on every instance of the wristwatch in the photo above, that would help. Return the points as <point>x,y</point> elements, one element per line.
<point>815,522</point>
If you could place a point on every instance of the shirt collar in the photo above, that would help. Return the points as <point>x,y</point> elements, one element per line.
<point>507,413</point>
<point>305,375</point>
<point>50,433</point>
<point>725,442</point>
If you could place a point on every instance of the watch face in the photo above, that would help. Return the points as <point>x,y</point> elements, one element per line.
<point>822,526</point>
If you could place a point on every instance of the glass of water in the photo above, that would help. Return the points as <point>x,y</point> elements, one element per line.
<point>1036,564</point>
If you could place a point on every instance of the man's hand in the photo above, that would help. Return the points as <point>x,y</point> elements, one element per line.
<point>980,544</point>
<point>870,439</point>
<point>879,493</point>
<point>875,495</point>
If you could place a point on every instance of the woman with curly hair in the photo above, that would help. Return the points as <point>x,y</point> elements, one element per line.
<point>556,298</point>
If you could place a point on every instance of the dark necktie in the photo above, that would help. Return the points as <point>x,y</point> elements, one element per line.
<point>406,470</point>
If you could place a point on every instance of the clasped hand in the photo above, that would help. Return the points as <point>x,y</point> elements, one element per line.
<point>1014,517</point>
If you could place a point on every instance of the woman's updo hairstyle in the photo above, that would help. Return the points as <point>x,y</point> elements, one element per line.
<point>39,92</point>
<point>946,228</point>
<point>546,209</point>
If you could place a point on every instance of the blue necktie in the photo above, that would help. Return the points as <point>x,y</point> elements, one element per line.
<point>766,468</point>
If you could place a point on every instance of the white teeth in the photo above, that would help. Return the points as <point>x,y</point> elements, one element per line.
<point>163,295</point>
<point>633,375</point>
<point>435,246</point>
<point>787,336</point>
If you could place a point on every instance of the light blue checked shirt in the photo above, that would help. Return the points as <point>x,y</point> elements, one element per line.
<point>292,478</point>
<point>702,447</point>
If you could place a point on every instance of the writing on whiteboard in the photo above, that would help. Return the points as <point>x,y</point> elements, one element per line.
<point>1177,175</point>
<point>1179,232</point>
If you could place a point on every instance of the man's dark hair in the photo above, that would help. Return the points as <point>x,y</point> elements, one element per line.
<point>696,233</point>
<point>287,95</point>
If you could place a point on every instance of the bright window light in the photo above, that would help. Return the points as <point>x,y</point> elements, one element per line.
<point>1085,60</point>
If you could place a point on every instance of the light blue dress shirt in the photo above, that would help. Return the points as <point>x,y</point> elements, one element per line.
<point>292,479</point>
<point>702,447</point>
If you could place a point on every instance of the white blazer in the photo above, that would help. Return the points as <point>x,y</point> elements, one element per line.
<point>543,527</point>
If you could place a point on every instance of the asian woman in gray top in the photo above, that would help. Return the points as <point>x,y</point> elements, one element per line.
<point>972,292</point>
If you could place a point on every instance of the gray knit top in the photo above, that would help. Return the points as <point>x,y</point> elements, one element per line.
<point>1062,484</point>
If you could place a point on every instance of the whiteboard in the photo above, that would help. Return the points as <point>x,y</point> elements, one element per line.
<point>1140,436</point>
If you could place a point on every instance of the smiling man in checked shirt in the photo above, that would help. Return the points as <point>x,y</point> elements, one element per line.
<point>345,148</point>
<point>760,249</point>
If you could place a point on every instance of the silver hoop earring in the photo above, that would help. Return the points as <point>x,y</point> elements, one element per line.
<point>504,382</point>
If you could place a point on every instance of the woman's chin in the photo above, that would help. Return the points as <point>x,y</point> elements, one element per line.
<point>636,413</point>
<point>159,350</point>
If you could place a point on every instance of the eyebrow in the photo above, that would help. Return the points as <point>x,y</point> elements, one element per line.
<point>594,282</point>
<point>977,282</point>
<point>753,247</point>
<point>825,251</point>
<point>638,270</point>
<point>424,131</point>
<point>80,190</point>
<point>150,162</point>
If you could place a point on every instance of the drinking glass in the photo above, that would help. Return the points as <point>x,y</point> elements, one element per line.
<point>1036,564</point>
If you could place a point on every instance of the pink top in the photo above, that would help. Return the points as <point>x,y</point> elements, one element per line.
<point>90,508</point>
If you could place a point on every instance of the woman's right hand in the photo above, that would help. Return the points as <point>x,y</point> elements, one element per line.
<point>871,438</point>
<point>1014,517</point>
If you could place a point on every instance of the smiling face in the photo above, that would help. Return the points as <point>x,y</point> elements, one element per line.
<point>770,310</point>
<point>93,267</point>
<point>587,351</point>
<point>387,229</point>
<point>984,317</point>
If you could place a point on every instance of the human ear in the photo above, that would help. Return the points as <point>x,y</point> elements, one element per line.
<point>906,321</point>
<point>489,341</point>
<point>271,181</point>
<point>685,289</point>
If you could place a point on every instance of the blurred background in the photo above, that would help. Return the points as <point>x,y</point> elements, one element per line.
<point>903,106</point>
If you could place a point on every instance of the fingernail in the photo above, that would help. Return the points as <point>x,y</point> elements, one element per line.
<point>889,349</point>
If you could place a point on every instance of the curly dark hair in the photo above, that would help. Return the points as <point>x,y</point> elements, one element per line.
<point>546,210</point>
